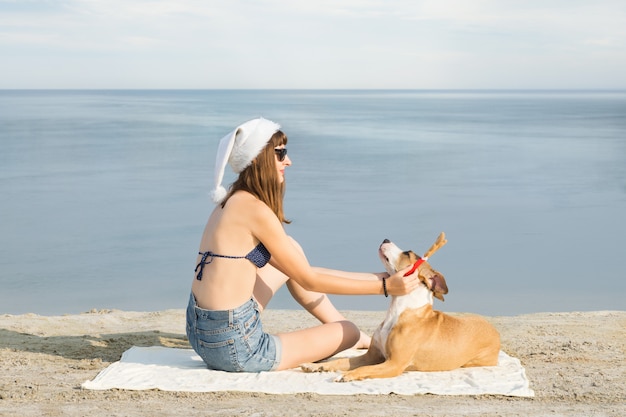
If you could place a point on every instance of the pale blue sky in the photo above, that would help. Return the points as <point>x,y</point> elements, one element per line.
<point>435,44</point>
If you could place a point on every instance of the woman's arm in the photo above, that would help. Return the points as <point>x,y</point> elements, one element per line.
<point>364,276</point>
<point>290,261</point>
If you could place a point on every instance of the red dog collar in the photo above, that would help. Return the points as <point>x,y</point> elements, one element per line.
<point>415,266</point>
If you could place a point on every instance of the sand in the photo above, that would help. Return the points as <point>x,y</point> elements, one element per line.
<point>575,363</point>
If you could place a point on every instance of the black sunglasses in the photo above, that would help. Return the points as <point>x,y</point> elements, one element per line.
<point>281,154</point>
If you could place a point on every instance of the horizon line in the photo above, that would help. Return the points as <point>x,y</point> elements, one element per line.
<point>612,89</point>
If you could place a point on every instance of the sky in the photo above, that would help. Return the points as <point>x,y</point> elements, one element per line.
<point>313,44</point>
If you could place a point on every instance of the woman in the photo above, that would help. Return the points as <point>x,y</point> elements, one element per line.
<point>230,290</point>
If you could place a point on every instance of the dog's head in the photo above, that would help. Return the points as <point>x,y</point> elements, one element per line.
<point>396,259</point>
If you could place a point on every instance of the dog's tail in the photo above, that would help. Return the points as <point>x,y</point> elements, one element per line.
<point>441,240</point>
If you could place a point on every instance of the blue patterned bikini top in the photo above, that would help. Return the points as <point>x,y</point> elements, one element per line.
<point>259,256</point>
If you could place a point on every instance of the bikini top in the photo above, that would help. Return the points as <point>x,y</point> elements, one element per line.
<point>259,256</point>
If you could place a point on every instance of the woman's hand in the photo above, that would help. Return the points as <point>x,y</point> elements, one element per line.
<point>398,284</point>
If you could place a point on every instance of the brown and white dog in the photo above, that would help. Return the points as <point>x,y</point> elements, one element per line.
<point>414,337</point>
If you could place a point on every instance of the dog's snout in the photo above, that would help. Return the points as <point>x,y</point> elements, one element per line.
<point>386,241</point>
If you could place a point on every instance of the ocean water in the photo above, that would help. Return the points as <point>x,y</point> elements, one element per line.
<point>104,194</point>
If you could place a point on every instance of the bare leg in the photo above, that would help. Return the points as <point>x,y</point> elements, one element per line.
<point>316,343</point>
<point>318,304</point>
<point>269,280</point>
<point>312,344</point>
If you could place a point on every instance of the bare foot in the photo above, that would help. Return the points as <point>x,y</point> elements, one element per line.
<point>363,343</point>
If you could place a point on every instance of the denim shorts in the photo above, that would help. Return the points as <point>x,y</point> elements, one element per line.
<point>232,340</point>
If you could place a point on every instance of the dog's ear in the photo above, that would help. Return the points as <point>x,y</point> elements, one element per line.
<point>438,286</point>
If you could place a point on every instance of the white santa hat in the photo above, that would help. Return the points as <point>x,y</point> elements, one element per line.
<point>239,148</point>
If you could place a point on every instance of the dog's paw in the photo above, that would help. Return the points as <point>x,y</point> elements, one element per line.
<point>311,367</point>
<point>348,377</point>
<point>318,367</point>
<point>339,379</point>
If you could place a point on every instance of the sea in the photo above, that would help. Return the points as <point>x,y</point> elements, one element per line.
<point>104,194</point>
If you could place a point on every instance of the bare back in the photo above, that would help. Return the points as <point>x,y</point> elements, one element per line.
<point>227,283</point>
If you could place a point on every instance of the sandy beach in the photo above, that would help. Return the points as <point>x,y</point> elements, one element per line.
<point>575,362</point>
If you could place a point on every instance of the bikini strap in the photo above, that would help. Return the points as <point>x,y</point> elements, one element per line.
<point>212,255</point>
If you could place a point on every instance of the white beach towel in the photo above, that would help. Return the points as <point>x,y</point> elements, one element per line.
<point>169,369</point>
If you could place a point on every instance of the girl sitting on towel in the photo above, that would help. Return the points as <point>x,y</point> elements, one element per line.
<point>245,256</point>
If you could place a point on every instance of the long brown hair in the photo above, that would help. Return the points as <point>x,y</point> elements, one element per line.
<point>261,180</point>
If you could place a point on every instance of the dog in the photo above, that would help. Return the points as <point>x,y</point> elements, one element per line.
<point>413,336</point>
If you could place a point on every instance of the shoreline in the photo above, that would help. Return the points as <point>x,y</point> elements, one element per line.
<point>575,361</point>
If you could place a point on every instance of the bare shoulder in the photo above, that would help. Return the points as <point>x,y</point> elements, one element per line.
<point>248,206</point>
<point>244,198</point>
<point>257,216</point>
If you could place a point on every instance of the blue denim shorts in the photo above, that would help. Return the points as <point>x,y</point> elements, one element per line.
<point>232,340</point>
